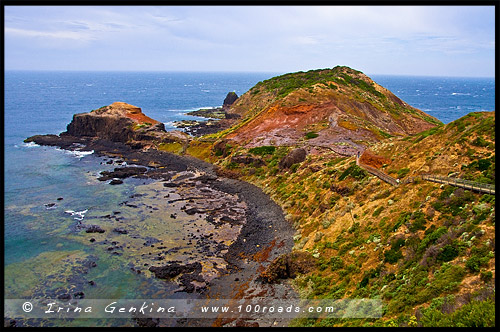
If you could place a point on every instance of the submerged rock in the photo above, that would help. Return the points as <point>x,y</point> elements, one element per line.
<point>120,230</point>
<point>94,229</point>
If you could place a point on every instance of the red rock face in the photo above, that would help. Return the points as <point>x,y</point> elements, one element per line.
<point>129,111</point>
<point>120,122</point>
<point>335,120</point>
<point>344,108</point>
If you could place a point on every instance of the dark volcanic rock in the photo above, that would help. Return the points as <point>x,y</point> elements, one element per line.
<point>122,173</point>
<point>63,141</point>
<point>94,229</point>
<point>172,270</point>
<point>64,297</point>
<point>248,160</point>
<point>79,295</point>
<point>186,279</point>
<point>115,182</point>
<point>295,156</point>
<point>230,99</point>
<point>288,266</point>
<point>120,230</point>
<point>116,129</point>
<point>147,322</point>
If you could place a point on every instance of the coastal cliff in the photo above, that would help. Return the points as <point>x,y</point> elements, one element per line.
<point>427,250</point>
<point>119,122</point>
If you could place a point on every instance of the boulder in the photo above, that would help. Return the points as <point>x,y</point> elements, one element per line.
<point>222,148</point>
<point>293,157</point>
<point>94,229</point>
<point>288,266</point>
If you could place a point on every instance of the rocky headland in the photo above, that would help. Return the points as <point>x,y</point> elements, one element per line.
<point>219,118</point>
<point>296,154</point>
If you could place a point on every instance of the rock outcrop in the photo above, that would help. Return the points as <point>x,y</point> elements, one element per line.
<point>118,122</point>
<point>229,100</point>
<point>293,157</point>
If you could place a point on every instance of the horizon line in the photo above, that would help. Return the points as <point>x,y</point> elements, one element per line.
<point>222,72</point>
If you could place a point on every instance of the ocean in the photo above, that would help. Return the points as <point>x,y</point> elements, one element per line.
<point>48,190</point>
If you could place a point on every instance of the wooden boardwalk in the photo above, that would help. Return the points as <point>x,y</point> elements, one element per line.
<point>469,185</point>
<point>381,175</point>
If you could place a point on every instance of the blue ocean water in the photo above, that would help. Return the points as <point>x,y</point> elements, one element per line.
<point>446,98</point>
<point>44,103</point>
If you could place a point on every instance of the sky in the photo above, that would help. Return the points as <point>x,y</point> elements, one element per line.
<point>391,40</point>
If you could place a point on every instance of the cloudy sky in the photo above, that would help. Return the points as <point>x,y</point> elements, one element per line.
<point>405,40</point>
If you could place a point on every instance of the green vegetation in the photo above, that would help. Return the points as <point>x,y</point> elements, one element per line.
<point>479,258</point>
<point>403,172</point>
<point>287,83</point>
<point>263,150</point>
<point>473,314</point>
<point>354,171</point>
<point>311,135</point>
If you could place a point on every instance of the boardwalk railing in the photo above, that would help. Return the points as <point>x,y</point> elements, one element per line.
<point>470,185</point>
<point>466,184</point>
<point>381,175</point>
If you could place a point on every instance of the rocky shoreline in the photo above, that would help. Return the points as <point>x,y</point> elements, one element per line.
<point>218,118</point>
<point>264,234</point>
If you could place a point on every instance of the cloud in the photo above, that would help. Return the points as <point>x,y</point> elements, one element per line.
<point>267,38</point>
<point>47,34</point>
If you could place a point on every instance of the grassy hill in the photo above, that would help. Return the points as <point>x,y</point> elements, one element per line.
<point>426,250</point>
<point>331,103</point>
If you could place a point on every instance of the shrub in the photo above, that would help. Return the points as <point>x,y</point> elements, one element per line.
<point>311,134</point>
<point>294,168</point>
<point>486,276</point>
<point>448,253</point>
<point>336,263</point>
<point>392,256</point>
<point>403,172</point>
<point>263,150</point>
<point>354,171</point>
<point>432,237</point>
<point>403,218</point>
<point>475,262</point>
<point>419,221</point>
<point>479,141</point>
<point>473,314</point>
<point>377,211</point>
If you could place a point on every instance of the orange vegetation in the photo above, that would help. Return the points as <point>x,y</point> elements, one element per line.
<point>371,159</point>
